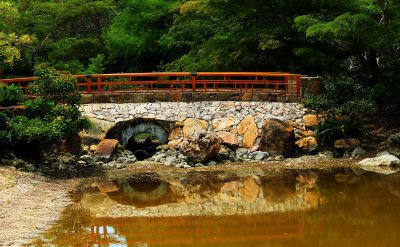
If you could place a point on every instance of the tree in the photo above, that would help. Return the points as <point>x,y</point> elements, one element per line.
<point>68,33</point>
<point>11,43</point>
<point>133,39</point>
<point>364,41</point>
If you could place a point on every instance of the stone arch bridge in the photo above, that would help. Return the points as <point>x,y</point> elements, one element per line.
<point>238,123</point>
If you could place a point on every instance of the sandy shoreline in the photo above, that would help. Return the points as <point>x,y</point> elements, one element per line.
<point>29,205</point>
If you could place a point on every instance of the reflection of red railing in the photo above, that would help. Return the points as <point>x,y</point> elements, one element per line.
<point>200,230</point>
<point>265,82</point>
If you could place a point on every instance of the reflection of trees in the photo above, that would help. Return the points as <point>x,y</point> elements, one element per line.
<point>75,228</point>
<point>359,210</point>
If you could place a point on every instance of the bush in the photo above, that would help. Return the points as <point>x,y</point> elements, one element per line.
<point>333,128</point>
<point>40,108</point>
<point>342,100</point>
<point>3,121</point>
<point>342,95</point>
<point>4,134</point>
<point>10,95</point>
<point>49,117</point>
<point>35,133</point>
<point>70,120</point>
<point>54,85</point>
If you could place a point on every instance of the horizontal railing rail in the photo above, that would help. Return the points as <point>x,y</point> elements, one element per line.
<point>264,82</point>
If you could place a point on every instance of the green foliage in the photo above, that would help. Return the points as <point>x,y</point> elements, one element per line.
<point>342,101</point>
<point>133,39</point>
<point>10,95</point>
<point>11,42</point>
<point>54,84</point>
<point>46,120</point>
<point>35,133</point>
<point>3,121</point>
<point>342,95</point>
<point>96,65</point>
<point>333,128</point>
<point>69,120</point>
<point>41,108</point>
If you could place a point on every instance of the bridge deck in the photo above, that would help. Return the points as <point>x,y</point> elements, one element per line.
<point>265,82</point>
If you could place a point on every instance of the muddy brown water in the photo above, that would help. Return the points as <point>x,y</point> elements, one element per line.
<point>305,208</point>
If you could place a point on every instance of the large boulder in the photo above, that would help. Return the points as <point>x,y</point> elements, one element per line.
<point>106,148</point>
<point>223,124</point>
<point>394,144</point>
<point>201,147</point>
<point>308,145</point>
<point>277,137</point>
<point>194,126</point>
<point>383,160</point>
<point>228,138</point>
<point>248,129</point>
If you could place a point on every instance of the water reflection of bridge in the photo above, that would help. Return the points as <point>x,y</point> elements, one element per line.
<point>197,230</point>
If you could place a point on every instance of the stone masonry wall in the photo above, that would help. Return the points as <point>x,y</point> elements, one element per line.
<point>228,119</point>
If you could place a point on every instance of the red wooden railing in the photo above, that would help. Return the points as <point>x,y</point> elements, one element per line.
<point>265,82</point>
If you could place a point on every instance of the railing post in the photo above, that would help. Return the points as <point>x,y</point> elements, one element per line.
<point>298,86</point>
<point>88,83</point>
<point>99,89</point>
<point>194,75</point>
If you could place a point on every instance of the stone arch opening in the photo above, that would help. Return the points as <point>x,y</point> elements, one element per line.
<point>141,136</point>
<point>143,145</point>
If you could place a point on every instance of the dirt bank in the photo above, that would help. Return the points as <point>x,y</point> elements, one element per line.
<point>29,204</point>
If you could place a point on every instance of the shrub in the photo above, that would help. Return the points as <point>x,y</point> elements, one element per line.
<point>342,100</point>
<point>54,85</point>
<point>40,108</point>
<point>3,121</point>
<point>49,117</point>
<point>4,134</point>
<point>333,128</point>
<point>35,133</point>
<point>10,95</point>
<point>70,120</point>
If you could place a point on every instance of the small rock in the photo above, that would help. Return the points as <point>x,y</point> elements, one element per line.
<point>326,154</point>
<point>211,163</point>
<point>199,165</point>
<point>258,155</point>
<point>271,158</point>
<point>358,152</point>
<point>383,153</point>
<point>394,144</point>
<point>347,144</point>
<point>170,161</point>
<point>82,163</point>
<point>279,158</point>
<point>120,166</point>
<point>240,152</point>
<point>307,145</point>
<point>92,148</point>
<point>87,158</point>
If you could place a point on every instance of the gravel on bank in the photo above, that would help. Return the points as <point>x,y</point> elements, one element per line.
<point>29,205</point>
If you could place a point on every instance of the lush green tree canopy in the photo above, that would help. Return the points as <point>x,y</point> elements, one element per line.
<point>355,38</point>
